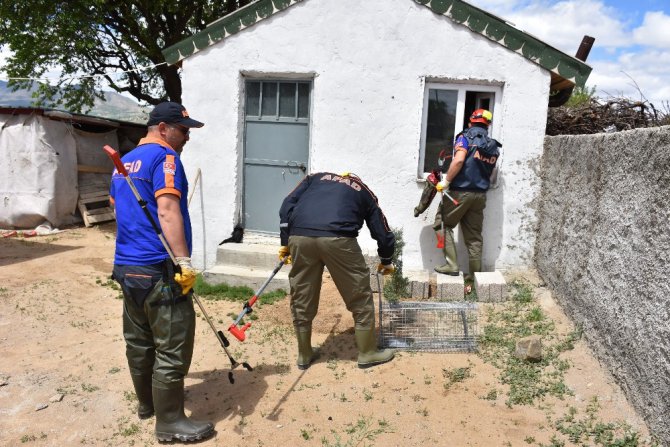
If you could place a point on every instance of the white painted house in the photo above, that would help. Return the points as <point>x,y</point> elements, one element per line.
<point>374,87</point>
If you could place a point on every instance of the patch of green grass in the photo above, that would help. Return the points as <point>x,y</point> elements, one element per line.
<point>108,283</point>
<point>455,375</point>
<point>129,396</point>
<point>363,430</point>
<point>130,430</point>
<point>518,318</point>
<point>234,293</point>
<point>89,388</point>
<point>28,438</point>
<point>589,430</point>
<point>126,428</point>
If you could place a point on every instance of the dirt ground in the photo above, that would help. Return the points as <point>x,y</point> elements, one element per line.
<point>60,333</point>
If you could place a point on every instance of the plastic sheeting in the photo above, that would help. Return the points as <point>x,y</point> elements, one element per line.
<point>38,169</point>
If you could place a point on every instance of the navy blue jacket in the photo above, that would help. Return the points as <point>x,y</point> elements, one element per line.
<point>481,158</point>
<point>327,204</point>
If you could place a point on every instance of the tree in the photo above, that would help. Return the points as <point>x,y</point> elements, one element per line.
<point>96,37</point>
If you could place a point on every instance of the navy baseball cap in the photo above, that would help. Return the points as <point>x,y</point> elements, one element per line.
<point>172,113</point>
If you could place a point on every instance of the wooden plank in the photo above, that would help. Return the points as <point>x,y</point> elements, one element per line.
<point>101,218</point>
<point>84,213</point>
<point>92,188</point>
<point>90,195</point>
<point>99,211</point>
<point>97,199</point>
<point>95,169</point>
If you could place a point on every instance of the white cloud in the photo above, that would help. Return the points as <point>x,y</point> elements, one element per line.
<point>654,30</point>
<point>650,70</point>
<point>563,24</point>
<point>627,56</point>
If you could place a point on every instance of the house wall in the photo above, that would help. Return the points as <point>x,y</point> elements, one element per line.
<point>603,246</point>
<point>369,62</point>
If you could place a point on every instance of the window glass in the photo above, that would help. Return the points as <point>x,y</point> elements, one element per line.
<point>269,105</point>
<point>440,124</point>
<point>303,100</point>
<point>287,99</point>
<point>253,98</point>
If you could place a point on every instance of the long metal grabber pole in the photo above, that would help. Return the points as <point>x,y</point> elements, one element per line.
<point>116,159</point>
<point>454,201</point>
<point>239,332</point>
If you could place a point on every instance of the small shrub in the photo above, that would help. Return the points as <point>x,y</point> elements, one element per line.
<point>397,286</point>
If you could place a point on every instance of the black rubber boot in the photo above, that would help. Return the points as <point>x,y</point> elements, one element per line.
<point>142,384</point>
<point>368,355</point>
<point>171,422</point>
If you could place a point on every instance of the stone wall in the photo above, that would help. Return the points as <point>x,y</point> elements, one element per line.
<point>603,246</point>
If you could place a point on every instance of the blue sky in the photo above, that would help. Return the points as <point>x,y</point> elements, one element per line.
<point>632,43</point>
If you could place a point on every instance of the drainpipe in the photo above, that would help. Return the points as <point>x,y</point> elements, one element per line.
<point>562,96</point>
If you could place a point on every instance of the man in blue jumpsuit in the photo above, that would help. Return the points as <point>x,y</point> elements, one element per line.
<point>467,180</point>
<point>158,314</point>
<point>319,224</point>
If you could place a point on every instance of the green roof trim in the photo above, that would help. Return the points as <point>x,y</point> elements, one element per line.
<point>231,24</point>
<point>510,37</point>
<point>475,19</point>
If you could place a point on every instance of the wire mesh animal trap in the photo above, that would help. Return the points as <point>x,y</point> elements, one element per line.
<point>429,326</point>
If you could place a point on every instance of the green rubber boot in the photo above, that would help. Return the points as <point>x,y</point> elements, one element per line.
<point>368,355</point>
<point>475,266</point>
<point>306,354</point>
<point>451,267</point>
<point>142,384</point>
<point>171,422</point>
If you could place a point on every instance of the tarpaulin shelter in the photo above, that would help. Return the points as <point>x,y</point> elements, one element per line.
<point>46,156</point>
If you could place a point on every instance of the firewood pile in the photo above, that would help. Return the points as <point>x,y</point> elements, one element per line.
<point>612,115</point>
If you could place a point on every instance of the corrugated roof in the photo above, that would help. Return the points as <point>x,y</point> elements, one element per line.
<point>566,70</point>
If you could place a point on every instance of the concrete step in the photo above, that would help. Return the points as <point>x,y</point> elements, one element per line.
<point>236,275</point>
<point>257,256</point>
<point>491,287</point>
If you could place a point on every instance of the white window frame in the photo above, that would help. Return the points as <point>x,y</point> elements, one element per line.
<point>460,111</point>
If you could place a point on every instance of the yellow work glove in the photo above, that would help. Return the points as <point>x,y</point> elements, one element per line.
<point>285,254</point>
<point>442,186</point>
<point>186,279</point>
<point>385,269</point>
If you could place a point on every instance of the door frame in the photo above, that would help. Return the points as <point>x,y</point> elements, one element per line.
<point>246,77</point>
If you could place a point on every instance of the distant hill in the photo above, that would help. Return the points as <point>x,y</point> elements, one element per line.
<point>115,106</point>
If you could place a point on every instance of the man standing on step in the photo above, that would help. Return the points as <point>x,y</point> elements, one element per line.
<point>319,224</point>
<point>467,180</point>
<point>158,314</point>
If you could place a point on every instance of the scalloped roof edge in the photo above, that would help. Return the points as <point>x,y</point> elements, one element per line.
<point>566,70</point>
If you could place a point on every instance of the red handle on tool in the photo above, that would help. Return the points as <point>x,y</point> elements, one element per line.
<point>116,159</point>
<point>239,332</point>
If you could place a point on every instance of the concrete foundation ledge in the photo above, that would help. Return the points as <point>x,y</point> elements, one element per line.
<point>450,288</point>
<point>245,276</point>
<point>491,287</point>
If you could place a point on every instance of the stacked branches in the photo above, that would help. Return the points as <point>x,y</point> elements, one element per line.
<point>612,115</point>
